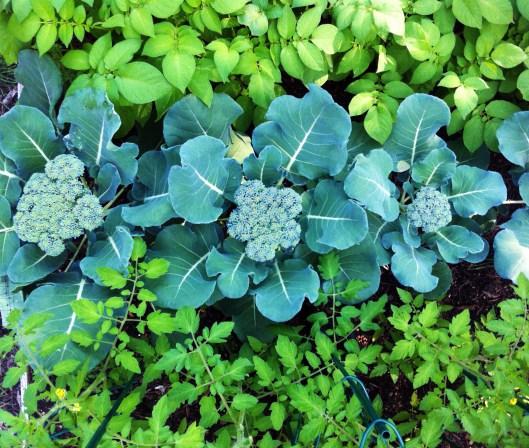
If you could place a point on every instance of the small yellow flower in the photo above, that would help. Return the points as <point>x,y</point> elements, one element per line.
<point>513,401</point>
<point>76,407</point>
<point>60,393</point>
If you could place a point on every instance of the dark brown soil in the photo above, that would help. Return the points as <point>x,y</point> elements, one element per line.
<point>458,440</point>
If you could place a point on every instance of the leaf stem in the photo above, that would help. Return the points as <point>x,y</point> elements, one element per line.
<point>210,374</point>
<point>75,253</point>
<point>513,202</point>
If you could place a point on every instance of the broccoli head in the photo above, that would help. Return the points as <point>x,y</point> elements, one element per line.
<point>56,206</point>
<point>265,218</point>
<point>430,210</point>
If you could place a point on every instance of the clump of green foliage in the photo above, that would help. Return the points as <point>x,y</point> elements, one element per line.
<point>472,52</point>
<point>56,206</point>
<point>477,369</point>
<point>213,389</point>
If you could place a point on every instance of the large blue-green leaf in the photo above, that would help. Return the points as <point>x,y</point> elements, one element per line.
<point>197,188</point>
<point>331,219</point>
<point>30,263</point>
<point>359,142</point>
<point>41,79</point>
<point>438,166</point>
<point>235,269</point>
<point>281,295</point>
<point>410,233</point>
<point>28,137</point>
<point>54,300</point>
<point>93,123</point>
<point>190,117</point>
<point>474,191</point>
<point>368,183</point>
<point>413,137</point>
<point>523,185</point>
<point>247,319</point>
<point>456,243</point>
<point>311,133</point>
<point>107,183</point>
<point>413,266</point>
<point>9,241</point>
<point>378,227</point>
<point>156,209</point>
<point>513,138</point>
<point>172,154</point>
<point>124,158</point>
<point>444,274</point>
<point>359,262</point>
<point>186,283</point>
<point>511,247</point>
<point>266,167</point>
<point>112,251</point>
<point>478,257</point>
<point>9,181</point>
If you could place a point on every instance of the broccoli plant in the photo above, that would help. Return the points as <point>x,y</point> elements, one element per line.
<point>56,206</point>
<point>240,218</point>
<point>61,176</point>
<point>428,214</point>
<point>265,218</point>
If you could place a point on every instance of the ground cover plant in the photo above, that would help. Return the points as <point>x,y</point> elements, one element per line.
<point>201,248</point>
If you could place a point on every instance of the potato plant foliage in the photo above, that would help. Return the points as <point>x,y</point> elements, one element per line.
<point>146,55</point>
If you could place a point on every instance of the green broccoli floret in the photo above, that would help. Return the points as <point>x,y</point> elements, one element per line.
<point>265,218</point>
<point>56,206</point>
<point>430,210</point>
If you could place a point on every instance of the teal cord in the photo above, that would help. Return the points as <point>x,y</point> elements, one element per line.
<point>387,424</point>
<point>381,425</point>
<point>295,436</point>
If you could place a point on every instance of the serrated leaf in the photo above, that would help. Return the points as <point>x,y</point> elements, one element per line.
<point>278,415</point>
<point>287,351</point>
<point>243,402</point>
